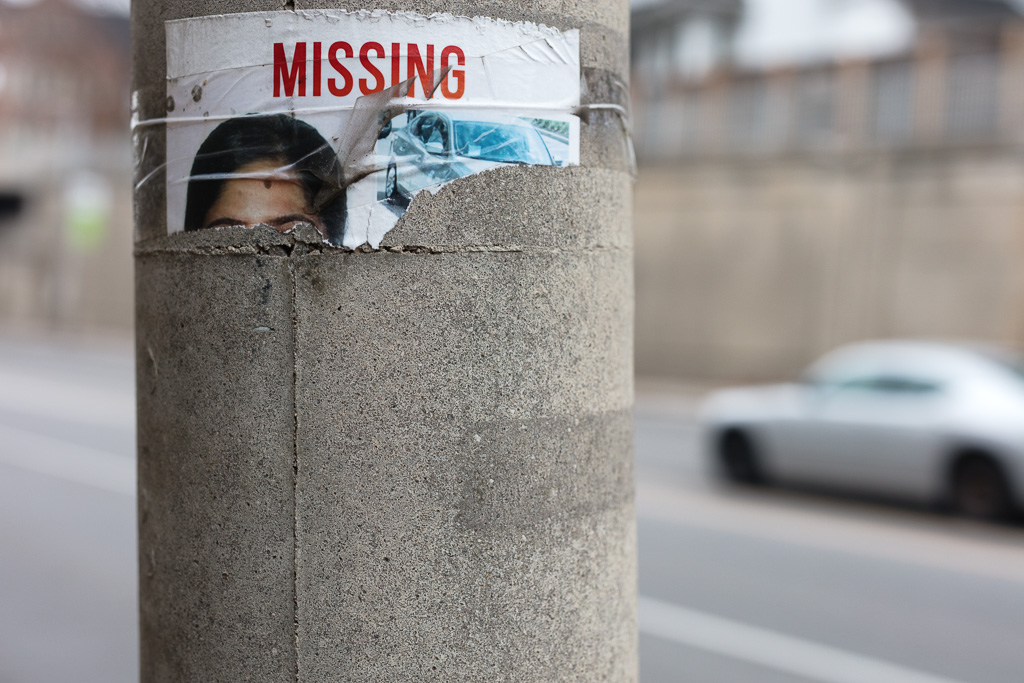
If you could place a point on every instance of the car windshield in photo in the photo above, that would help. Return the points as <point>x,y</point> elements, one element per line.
<point>500,142</point>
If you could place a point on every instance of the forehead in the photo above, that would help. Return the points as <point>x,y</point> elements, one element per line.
<point>258,199</point>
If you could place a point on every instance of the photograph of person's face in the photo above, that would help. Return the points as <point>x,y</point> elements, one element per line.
<point>273,170</point>
<point>277,199</point>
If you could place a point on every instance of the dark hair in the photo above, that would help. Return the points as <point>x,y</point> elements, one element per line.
<point>278,137</point>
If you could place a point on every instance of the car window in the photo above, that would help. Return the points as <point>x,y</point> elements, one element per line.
<point>892,384</point>
<point>422,127</point>
<point>435,137</point>
<point>500,142</point>
<point>842,373</point>
<point>1007,361</point>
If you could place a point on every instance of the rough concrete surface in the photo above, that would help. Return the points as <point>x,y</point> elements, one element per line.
<point>216,481</point>
<point>405,464</point>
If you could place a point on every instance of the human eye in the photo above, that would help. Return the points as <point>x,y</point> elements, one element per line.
<point>290,222</point>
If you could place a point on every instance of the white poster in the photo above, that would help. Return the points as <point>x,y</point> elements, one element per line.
<point>340,119</point>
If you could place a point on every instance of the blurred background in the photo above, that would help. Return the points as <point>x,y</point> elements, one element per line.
<point>819,171</point>
<point>811,173</point>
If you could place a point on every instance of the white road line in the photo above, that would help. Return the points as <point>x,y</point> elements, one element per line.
<point>68,461</point>
<point>1001,559</point>
<point>769,649</point>
<point>67,401</point>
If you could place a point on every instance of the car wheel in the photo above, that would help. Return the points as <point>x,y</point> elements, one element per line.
<point>391,184</point>
<point>979,488</point>
<point>739,458</point>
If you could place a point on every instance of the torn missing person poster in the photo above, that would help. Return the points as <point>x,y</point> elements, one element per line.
<point>340,119</point>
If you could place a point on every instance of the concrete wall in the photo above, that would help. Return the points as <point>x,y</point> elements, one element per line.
<point>747,269</point>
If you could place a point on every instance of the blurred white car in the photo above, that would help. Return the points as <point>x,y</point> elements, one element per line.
<point>939,423</point>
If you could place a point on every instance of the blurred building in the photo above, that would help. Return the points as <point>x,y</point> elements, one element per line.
<point>675,41</point>
<point>65,167</point>
<point>787,207</point>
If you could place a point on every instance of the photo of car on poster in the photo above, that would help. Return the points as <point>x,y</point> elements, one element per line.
<point>423,150</point>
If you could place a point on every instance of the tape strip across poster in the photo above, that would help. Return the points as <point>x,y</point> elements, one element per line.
<point>340,118</point>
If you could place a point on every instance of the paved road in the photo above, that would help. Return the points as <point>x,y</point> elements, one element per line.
<point>736,586</point>
<point>67,513</point>
<point>788,586</point>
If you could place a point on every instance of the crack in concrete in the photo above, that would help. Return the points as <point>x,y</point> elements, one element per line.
<point>303,249</point>
<point>295,468</point>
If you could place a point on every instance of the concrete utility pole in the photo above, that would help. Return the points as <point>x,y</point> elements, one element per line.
<point>409,463</point>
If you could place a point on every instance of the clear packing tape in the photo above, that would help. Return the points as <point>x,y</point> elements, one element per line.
<point>352,170</point>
